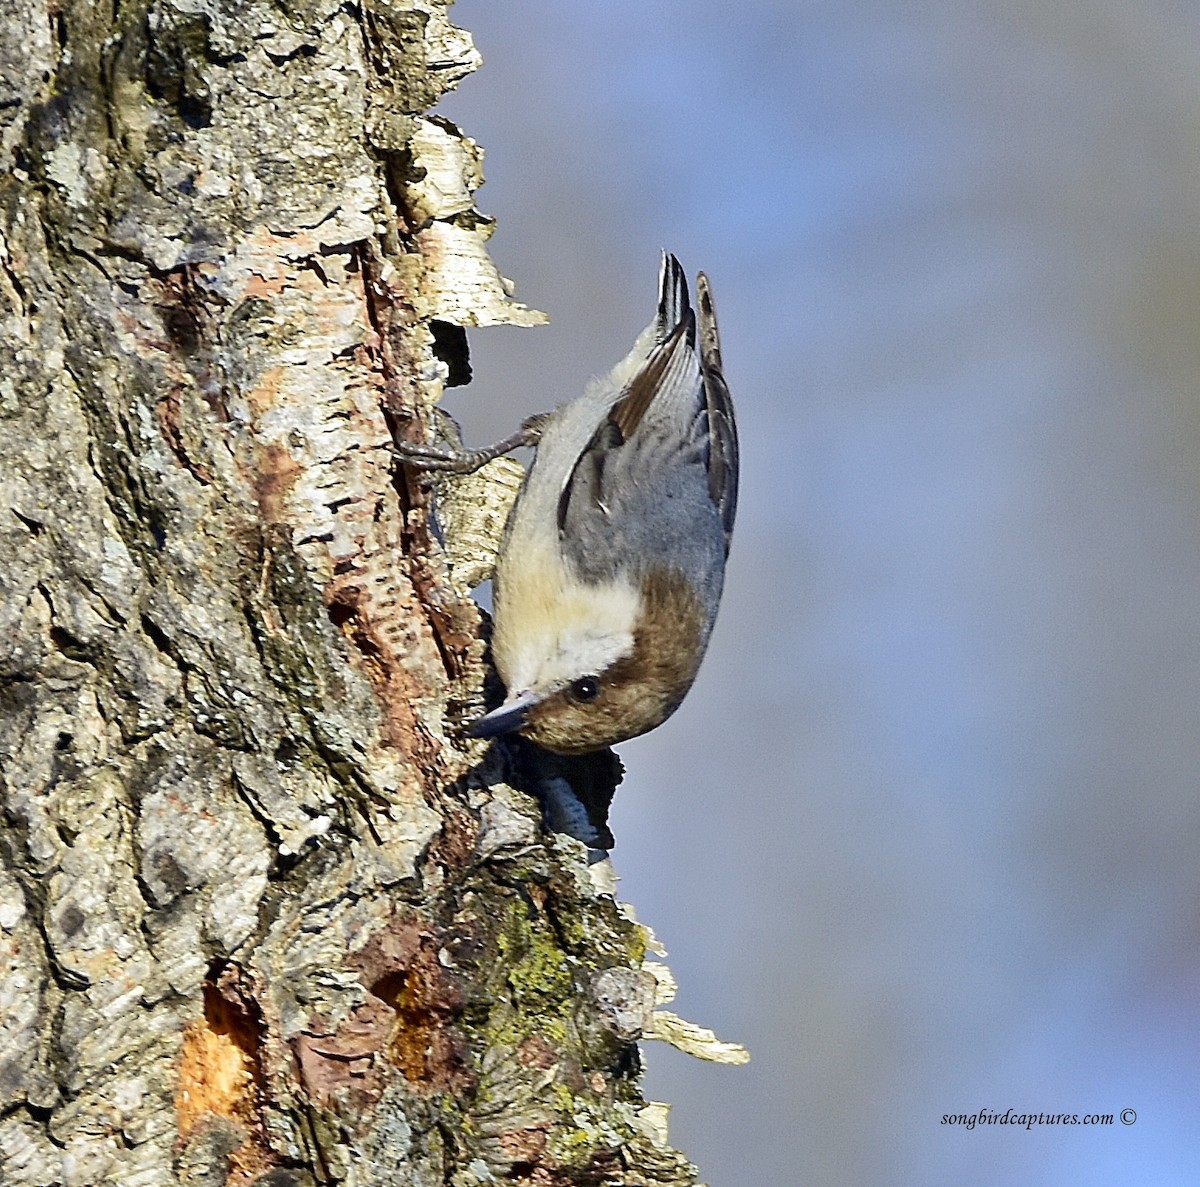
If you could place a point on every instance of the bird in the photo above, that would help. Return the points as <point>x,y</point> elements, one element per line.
<point>612,562</point>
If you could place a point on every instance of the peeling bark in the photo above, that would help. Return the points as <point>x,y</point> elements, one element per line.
<point>264,917</point>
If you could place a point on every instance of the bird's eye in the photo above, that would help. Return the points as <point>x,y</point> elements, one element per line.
<point>585,689</point>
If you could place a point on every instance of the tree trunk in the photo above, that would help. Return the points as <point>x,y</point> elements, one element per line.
<point>263,916</point>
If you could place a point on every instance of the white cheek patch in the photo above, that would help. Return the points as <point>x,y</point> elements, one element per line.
<point>584,652</point>
<point>550,659</point>
<point>550,632</point>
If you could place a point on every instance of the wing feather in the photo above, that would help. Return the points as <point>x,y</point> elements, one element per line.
<point>724,457</point>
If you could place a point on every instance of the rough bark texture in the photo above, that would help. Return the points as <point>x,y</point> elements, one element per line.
<point>263,918</point>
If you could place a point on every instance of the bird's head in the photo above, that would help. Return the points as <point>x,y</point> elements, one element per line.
<point>594,666</point>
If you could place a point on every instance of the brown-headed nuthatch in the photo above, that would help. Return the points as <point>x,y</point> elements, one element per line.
<point>611,565</point>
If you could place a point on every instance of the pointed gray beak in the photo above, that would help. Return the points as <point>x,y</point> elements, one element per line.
<point>506,719</point>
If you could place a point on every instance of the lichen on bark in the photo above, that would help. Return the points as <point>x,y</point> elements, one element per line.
<point>264,915</point>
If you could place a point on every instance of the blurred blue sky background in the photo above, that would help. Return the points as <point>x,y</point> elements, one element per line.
<point>926,836</point>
